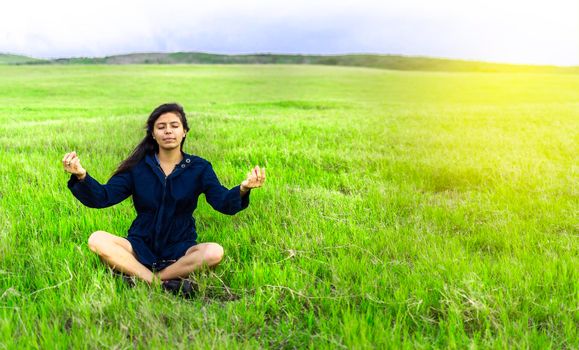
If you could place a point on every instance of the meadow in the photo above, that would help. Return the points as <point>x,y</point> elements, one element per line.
<point>401,209</point>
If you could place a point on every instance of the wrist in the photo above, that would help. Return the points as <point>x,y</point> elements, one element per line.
<point>243,189</point>
<point>81,176</point>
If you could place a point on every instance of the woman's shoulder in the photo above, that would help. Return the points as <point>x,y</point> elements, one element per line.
<point>139,166</point>
<point>195,160</point>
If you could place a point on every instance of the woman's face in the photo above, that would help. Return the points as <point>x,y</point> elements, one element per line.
<point>168,131</point>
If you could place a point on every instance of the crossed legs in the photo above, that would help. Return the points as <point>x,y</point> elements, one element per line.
<point>118,253</point>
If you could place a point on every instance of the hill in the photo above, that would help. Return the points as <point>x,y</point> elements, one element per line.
<point>16,59</point>
<point>394,62</point>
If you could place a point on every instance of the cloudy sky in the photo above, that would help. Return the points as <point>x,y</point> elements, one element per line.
<point>516,31</point>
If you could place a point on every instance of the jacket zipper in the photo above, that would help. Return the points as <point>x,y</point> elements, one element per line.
<point>161,209</point>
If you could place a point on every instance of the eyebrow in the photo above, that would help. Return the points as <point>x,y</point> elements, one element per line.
<point>165,123</point>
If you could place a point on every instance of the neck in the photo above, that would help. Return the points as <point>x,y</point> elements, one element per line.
<point>172,156</point>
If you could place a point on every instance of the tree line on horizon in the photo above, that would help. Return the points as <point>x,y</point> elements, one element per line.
<point>393,62</point>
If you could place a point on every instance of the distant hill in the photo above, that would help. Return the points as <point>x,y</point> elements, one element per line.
<point>6,58</point>
<point>395,62</point>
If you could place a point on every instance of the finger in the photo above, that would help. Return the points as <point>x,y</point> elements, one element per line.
<point>64,158</point>
<point>69,157</point>
<point>72,160</point>
<point>263,173</point>
<point>73,163</point>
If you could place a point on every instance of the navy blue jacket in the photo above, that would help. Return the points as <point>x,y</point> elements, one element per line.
<point>164,228</point>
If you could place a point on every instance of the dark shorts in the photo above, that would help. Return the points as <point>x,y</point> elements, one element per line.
<point>160,265</point>
<point>169,255</point>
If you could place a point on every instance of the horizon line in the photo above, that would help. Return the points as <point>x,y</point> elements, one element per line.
<point>470,60</point>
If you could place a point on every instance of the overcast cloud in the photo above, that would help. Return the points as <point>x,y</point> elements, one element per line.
<point>536,32</point>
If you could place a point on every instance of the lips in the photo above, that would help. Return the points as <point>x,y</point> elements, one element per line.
<point>170,139</point>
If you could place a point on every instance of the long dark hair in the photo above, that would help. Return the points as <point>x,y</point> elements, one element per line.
<point>148,145</point>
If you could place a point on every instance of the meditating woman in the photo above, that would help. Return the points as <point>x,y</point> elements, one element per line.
<point>165,182</point>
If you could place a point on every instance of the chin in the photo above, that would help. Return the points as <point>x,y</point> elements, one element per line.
<point>169,147</point>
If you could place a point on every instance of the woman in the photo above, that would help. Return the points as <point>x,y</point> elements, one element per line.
<point>165,184</point>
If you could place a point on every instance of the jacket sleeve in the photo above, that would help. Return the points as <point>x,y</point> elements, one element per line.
<point>220,198</point>
<point>94,195</point>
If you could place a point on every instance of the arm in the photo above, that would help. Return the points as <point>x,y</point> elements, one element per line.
<point>220,198</point>
<point>89,191</point>
<point>94,195</point>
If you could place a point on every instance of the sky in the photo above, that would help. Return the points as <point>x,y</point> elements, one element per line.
<point>509,31</point>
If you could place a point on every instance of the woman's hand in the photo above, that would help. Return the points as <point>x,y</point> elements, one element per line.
<point>255,178</point>
<point>71,164</point>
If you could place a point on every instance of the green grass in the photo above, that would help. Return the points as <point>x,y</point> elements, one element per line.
<point>401,209</point>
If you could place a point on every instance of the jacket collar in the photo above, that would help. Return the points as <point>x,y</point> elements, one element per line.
<point>151,160</point>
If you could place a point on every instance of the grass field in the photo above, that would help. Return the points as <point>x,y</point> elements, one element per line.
<point>401,209</point>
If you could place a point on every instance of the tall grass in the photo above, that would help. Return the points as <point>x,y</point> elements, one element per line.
<point>409,209</point>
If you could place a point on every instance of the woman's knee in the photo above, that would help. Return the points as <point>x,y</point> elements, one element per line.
<point>97,241</point>
<point>213,254</point>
